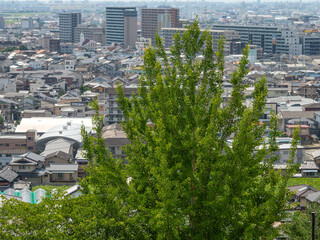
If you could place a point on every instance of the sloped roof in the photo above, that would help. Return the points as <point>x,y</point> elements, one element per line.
<point>313,197</point>
<point>297,114</point>
<point>312,105</point>
<point>62,168</point>
<point>302,190</point>
<point>8,174</point>
<point>59,154</point>
<point>29,159</point>
<point>57,145</point>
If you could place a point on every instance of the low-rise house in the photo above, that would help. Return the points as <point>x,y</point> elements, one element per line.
<point>30,167</point>
<point>286,116</point>
<point>312,107</point>
<point>82,163</point>
<point>16,144</point>
<point>300,193</point>
<point>115,139</point>
<point>303,132</point>
<point>309,168</point>
<point>313,198</point>
<point>308,91</point>
<point>7,178</point>
<point>66,173</point>
<point>36,113</point>
<point>69,112</point>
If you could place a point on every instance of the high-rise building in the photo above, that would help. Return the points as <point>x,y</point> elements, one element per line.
<point>121,26</point>
<point>67,23</point>
<point>27,23</point>
<point>310,44</point>
<point>2,23</point>
<point>232,43</point>
<point>154,19</point>
<point>273,40</point>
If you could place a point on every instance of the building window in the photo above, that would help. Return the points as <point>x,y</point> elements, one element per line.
<point>30,138</point>
<point>60,175</point>
<point>112,150</point>
<point>22,167</point>
<point>30,148</point>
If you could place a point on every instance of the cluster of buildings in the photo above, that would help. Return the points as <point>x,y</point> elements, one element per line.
<point>50,70</point>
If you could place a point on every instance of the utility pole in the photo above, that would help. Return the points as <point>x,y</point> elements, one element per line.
<point>313,214</point>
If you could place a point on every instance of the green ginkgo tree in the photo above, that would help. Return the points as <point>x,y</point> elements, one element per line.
<point>199,164</point>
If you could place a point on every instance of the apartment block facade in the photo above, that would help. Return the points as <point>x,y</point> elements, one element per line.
<point>67,23</point>
<point>90,32</point>
<point>233,44</point>
<point>273,40</point>
<point>154,19</point>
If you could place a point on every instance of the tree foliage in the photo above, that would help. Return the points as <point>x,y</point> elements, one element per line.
<point>183,180</point>
<point>299,225</point>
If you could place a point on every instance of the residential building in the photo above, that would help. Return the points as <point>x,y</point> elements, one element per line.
<point>304,132</point>
<point>300,195</point>
<point>143,43</point>
<point>7,178</point>
<point>292,117</point>
<point>54,45</point>
<point>36,113</point>
<point>82,163</point>
<point>16,144</point>
<point>8,109</point>
<point>115,139</point>
<point>90,32</point>
<point>27,23</point>
<point>154,19</point>
<point>121,26</point>
<point>310,44</point>
<point>272,39</point>
<point>67,23</point>
<point>30,167</point>
<point>308,91</point>
<point>66,48</point>
<point>50,44</point>
<point>233,44</point>
<point>312,107</point>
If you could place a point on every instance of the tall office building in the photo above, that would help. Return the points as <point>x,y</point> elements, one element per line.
<point>121,26</point>
<point>2,23</point>
<point>154,19</point>
<point>67,23</point>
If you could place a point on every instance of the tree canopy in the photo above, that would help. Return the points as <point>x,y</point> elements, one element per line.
<point>199,166</point>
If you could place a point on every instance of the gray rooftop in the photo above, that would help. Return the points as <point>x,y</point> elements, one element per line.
<point>313,197</point>
<point>8,174</point>
<point>62,168</point>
